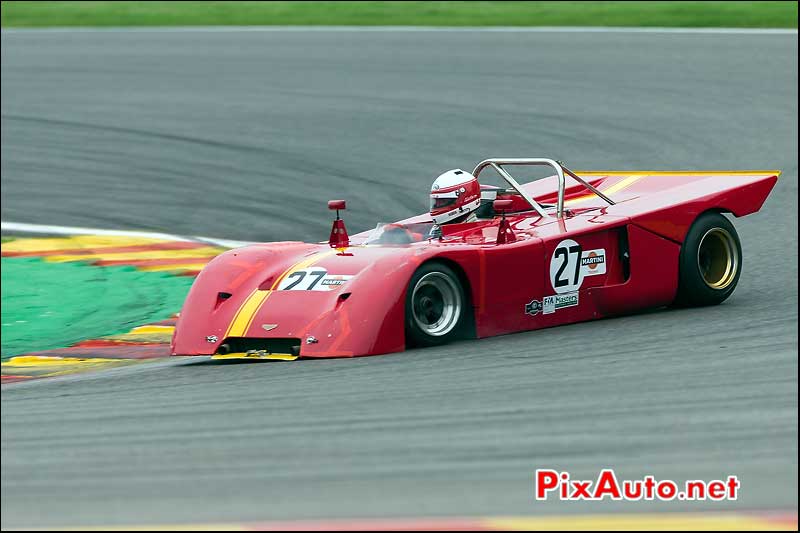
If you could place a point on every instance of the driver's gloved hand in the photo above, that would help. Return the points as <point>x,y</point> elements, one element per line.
<point>436,232</point>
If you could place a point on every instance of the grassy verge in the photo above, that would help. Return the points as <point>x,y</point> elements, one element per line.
<point>776,14</point>
<point>51,305</point>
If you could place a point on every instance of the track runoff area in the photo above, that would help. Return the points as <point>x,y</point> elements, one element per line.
<point>184,257</point>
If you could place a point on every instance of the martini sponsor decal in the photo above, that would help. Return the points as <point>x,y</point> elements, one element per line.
<point>593,262</point>
<point>334,281</point>
<point>570,264</point>
<point>551,304</point>
<point>312,279</point>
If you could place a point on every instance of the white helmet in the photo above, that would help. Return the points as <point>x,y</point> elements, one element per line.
<point>454,194</point>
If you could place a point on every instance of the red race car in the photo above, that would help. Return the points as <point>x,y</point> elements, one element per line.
<point>484,261</point>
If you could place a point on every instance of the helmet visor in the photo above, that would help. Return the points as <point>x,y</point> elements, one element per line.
<point>442,203</point>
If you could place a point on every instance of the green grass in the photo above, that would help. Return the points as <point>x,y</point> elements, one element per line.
<point>6,239</point>
<point>51,305</point>
<point>781,14</point>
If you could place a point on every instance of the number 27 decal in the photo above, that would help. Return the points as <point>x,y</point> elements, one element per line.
<point>570,264</point>
<point>296,278</point>
<point>570,256</point>
<point>312,279</point>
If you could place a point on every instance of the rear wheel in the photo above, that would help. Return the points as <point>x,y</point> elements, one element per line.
<point>435,306</point>
<point>710,262</point>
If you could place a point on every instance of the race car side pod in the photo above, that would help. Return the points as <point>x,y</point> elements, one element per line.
<point>504,232</point>
<point>339,237</point>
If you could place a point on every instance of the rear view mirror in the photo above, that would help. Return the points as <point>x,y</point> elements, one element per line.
<point>504,233</point>
<point>502,206</point>
<point>339,237</point>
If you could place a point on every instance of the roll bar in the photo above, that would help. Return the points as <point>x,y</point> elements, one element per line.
<point>498,163</point>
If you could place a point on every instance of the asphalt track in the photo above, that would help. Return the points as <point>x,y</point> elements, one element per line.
<point>245,135</point>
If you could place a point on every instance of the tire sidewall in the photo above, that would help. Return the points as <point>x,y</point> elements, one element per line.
<point>692,288</point>
<point>416,336</point>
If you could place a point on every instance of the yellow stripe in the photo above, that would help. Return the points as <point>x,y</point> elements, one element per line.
<point>679,172</point>
<point>249,309</point>
<point>239,311</point>
<point>42,360</point>
<point>620,185</point>
<point>240,322</point>
<point>70,243</point>
<point>698,521</point>
<point>167,527</point>
<point>242,355</point>
<point>167,268</point>
<point>150,254</point>
<point>640,522</point>
<point>635,175</point>
<point>297,266</point>
<point>148,330</point>
<point>624,184</point>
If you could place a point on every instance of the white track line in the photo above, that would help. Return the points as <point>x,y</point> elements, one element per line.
<point>42,229</point>
<point>408,29</point>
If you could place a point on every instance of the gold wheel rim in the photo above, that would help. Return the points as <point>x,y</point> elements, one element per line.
<point>718,258</point>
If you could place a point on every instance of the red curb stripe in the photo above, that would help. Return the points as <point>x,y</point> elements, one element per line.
<point>412,524</point>
<point>167,322</point>
<point>106,343</point>
<point>11,378</point>
<point>119,351</point>
<point>176,245</point>
<point>151,262</point>
<point>786,520</point>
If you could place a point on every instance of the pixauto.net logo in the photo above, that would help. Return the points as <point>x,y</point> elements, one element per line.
<point>549,483</point>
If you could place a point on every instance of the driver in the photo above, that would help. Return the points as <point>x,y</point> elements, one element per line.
<point>455,196</point>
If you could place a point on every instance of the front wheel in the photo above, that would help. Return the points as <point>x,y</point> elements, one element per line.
<point>435,305</point>
<point>710,262</point>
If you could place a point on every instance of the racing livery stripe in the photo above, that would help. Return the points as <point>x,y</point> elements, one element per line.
<point>234,329</point>
<point>620,185</point>
<point>632,176</point>
<point>249,309</point>
<point>246,317</point>
<point>678,172</point>
<point>297,266</point>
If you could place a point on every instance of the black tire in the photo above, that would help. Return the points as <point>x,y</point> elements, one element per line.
<point>428,290</point>
<point>710,262</point>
